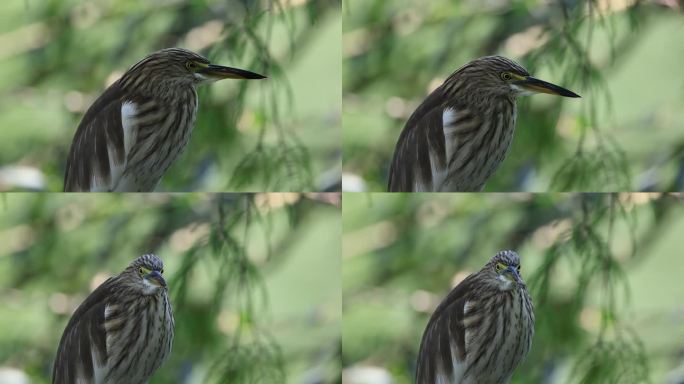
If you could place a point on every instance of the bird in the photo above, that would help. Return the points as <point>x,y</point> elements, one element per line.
<point>459,135</point>
<point>122,332</point>
<point>482,330</point>
<point>136,129</point>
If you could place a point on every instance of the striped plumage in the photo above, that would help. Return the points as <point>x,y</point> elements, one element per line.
<point>122,332</point>
<point>457,138</point>
<point>482,330</point>
<point>141,123</point>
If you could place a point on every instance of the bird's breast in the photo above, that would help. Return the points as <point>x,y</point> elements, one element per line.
<point>476,146</point>
<point>139,345</point>
<point>500,340</point>
<point>161,134</point>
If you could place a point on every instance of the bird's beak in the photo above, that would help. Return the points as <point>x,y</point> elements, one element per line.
<point>156,278</point>
<point>512,274</point>
<point>540,86</point>
<point>220,72</point>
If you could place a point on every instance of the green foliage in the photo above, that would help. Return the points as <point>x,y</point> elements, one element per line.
<point>622,360</point>
<point>395,52</point>
<point>582,256</point>
<point>596,268</point>
<point>225,256</point>
<point>249,135</point>
<point>264,362</point>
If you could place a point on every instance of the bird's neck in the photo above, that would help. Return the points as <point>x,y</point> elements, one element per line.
<point>167,90</point>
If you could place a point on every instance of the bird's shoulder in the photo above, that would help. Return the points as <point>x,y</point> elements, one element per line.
<point>423,146</point>
<point>84,338</point>
<point>113,95</point>
<point>421,131</point>
<point>443,344</point>
<point>98,149</point>
<point>113,98</point>
<point>105,112</point>
<point>436,104</point>
<point>94,304</point>
<point>457,298</point>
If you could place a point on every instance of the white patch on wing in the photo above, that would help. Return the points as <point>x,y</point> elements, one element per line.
<point>458,366</point>
<point>441,378</point>
<point>448,117</point>
<point>128,112</point>
<point>467,334</point>
<point>439,173</point>
<point>109,309</point>
<point>98,368</point>
<point>449,130</point>
<point>97,184</point>
<point>128,125</point>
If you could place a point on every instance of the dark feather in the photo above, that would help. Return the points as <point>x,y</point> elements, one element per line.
<point>84,330</point>
<point>89,155</point>
<point>474,90</point>
<point>445,324</point>
<point>422,134</point>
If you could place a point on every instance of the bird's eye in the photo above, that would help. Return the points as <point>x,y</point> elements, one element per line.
<point>499,267</point>
<point>190,65</point>
<point>141,271</point>
<point>506,76</point>
<point>162,271</point>
<point>518,267</point>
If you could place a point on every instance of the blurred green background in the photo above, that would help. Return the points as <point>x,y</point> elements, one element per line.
<point>254,279</point>
<point>604,273</point>
<point>622,57</point>
<point>280,134</point>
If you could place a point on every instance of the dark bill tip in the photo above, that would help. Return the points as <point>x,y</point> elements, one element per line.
<point>222,72</point>
<point>157,278</point>
<point>512,271</point>
<point>535,85</point>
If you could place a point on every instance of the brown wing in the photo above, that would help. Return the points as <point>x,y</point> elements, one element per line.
<point>422,135</point>
<point>445,325</point>
<point>99,136</point>
<point>84,331</point>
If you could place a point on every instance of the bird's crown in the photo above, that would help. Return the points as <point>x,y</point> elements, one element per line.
<point>149,261</point>
<point>179,54</point>
<point>506,257</point>
<point>501,63</point>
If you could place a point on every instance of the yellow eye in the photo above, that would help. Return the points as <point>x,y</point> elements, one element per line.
<point>506,76</point>
<point>191,65</point>
<point>500,267</point>
<point>143,271</point>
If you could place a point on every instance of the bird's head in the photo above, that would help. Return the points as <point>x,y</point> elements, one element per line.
<point>181,66</point>
<point>503,271</point>
<point>144,274</point>
<point>500,76</point>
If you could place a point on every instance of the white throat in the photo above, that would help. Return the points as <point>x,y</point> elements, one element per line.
<point>149,288</point>
<point>504,283</point>
<point>521,91</point>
